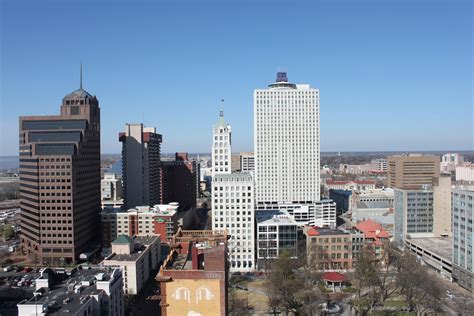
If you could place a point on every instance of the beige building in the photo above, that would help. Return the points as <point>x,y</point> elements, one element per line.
<point>412,171</point>
<point>442,206</point>
<point>137,256</point>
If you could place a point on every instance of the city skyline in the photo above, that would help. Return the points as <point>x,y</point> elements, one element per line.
<point>170,68</point>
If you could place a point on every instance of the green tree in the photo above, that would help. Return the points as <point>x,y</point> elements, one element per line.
<point>8,232</point>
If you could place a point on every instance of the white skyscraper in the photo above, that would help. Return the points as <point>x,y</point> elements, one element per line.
<point>286,138</point>
<point>233,201</point>
<point>221,147</point>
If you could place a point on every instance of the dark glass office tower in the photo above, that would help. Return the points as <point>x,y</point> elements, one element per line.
<point>60,180</point>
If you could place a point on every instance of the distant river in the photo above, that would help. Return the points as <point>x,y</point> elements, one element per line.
<point>116,167</point>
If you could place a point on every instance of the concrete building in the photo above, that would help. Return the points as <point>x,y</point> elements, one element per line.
<point>425,210</point>
<point>142,220</point>
<point>193,278</point>
<point>60,180</point>
<point>137,257</point>
<point>321,213</point>
<point>221,147</point>
<point>434,252</point>
<point>111,189</point>
<point>450,161</point>
<point>355,169</point>
<point>379,165</point>
<point>412,171</point>
<point>236,163</point>
<point>233,210</point>
<point>277,232</point>
<point>442,206</point>
<point>463,241</point>
<point>84,292</point>
<point>465,174</point>
<point>247,162</point>
<point>381,212</point>
<point>286,142</point>
<point>141,165</point>
<point>356,185</point>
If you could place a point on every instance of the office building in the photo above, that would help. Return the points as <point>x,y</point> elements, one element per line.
<point>329,249</point>
<point>141,165</point>
<point>286,142</point>
<point>81,292</point>
<point>321,213</point>
<point>356,185</point>
<point>180,181</point>
<point>137,257</point>
<point>221,147</point>
<point>247,162</point>
<point>60,180</point>
<point>450,161</point>
<point>236,163</point>
<point>465,173</point>
<point>193,278</point>
<point>233,210</point>
<point>142,220</point>
<point>379,165</point>
<point>111,190</point>
<point>463,241</point>
<point>276,232</point>
<point>412,171</point>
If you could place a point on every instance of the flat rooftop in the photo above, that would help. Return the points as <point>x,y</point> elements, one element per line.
<point>141,244</point>
<point>62,299</point>
<point>440,246</point>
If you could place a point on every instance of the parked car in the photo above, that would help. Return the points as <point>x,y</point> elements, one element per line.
<point>7,269</point>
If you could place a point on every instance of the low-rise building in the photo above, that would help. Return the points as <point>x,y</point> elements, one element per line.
<point>375,236</point>
<point>435,252</point>
<point>356,185</point>
<point>276,232</point>
<point>141,220</point>
<point>193,278</point>
<point>355,169</point>
<point>321,213</point>
<point>381,212</point>
<point>93,291</point>
<point>329,249</point>
<point>137,257</point>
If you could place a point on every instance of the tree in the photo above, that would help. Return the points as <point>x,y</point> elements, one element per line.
<point>8,232</point>
<point>289,287</point>
<point>237,306</point>
<point>365,280</point>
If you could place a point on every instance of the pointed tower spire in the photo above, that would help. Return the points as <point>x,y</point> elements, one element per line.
<point>81,74</point>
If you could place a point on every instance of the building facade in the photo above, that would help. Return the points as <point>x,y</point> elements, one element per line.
<point>276,232</point>
<point>321,213</point>
<point>412,171</point>
<point>450,161</point>
<point>379,165</point>
<point>221,147</point>
<point>465,174</point>
<point>193,278</point>
<point>142,220</point>
<point>141,165</point>
<point>60,180</point>
<point>233,210</point>
<point>463,236</point>
<point>111,189</point>
<point>247,162</point>
<point>286,142</point>
<point>180,182</point>
<point>137,257</point>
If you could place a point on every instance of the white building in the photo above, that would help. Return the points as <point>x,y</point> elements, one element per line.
<point>355,169</point>
<point>321,213</point>
<point>111,190</point>
<point>450,161</point>
<point>357,185</point>
<point>379,165</point>
<point>137,257</point>
<point>277,231</point>
<point>221,147</point>
<point>286,141</point>
<point>233,210</point>
<point>465,173</point>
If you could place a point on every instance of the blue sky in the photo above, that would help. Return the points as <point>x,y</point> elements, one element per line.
<point>393,75</point>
